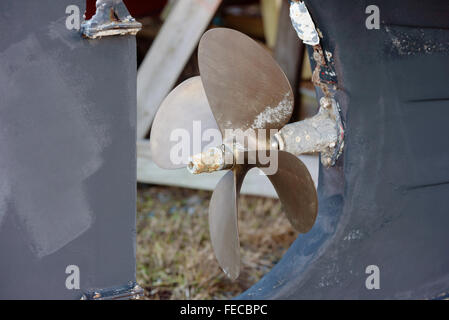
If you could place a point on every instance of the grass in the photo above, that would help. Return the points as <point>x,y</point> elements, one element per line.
<point>174,255</point>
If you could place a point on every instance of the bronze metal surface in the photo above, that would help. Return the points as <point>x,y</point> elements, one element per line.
<point>184,105</point>
<point>245,87</point>
<point>223,222</point>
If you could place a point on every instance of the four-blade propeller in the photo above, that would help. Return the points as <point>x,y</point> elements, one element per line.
<point>244,94</point>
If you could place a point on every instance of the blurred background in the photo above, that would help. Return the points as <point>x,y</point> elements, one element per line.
<point>174,254</point>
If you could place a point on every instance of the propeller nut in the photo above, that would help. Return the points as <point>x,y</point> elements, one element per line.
<point>214,159</point>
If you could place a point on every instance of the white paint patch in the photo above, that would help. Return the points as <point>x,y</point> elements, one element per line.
<point>274,115</point>
<point>58,32</point>
<point>353,235</point>
<point>50,153</point>
<point>303,23</point>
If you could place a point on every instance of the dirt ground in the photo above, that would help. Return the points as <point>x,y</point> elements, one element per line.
<point>174,255</point>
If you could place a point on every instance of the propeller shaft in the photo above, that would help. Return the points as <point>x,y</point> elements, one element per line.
<point>321,133</point>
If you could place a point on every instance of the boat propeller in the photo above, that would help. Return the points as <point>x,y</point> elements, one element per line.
<point>242,101</point>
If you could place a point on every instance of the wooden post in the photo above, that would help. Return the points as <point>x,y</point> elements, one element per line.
<point>168,55</point>
<point>270,14</point>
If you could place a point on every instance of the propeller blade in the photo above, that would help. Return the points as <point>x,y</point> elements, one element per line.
<point>223,221</point>
<point>245,87</point>
<point>296,190</point>
<point>187,110</point>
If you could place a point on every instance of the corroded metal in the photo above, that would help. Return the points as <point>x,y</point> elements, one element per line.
<point>130,291</point>
<point>213,159</point>
<point>111,18</point>
<point>321,133</point>
<point>323,75</point>
<point>303,23</point>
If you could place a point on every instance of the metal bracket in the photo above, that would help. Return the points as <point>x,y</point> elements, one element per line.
<point>111,18</point>
<point>131,291</point>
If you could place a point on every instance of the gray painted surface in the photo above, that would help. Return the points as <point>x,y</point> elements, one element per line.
<point>386,201</point>
<point>67,154</point>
